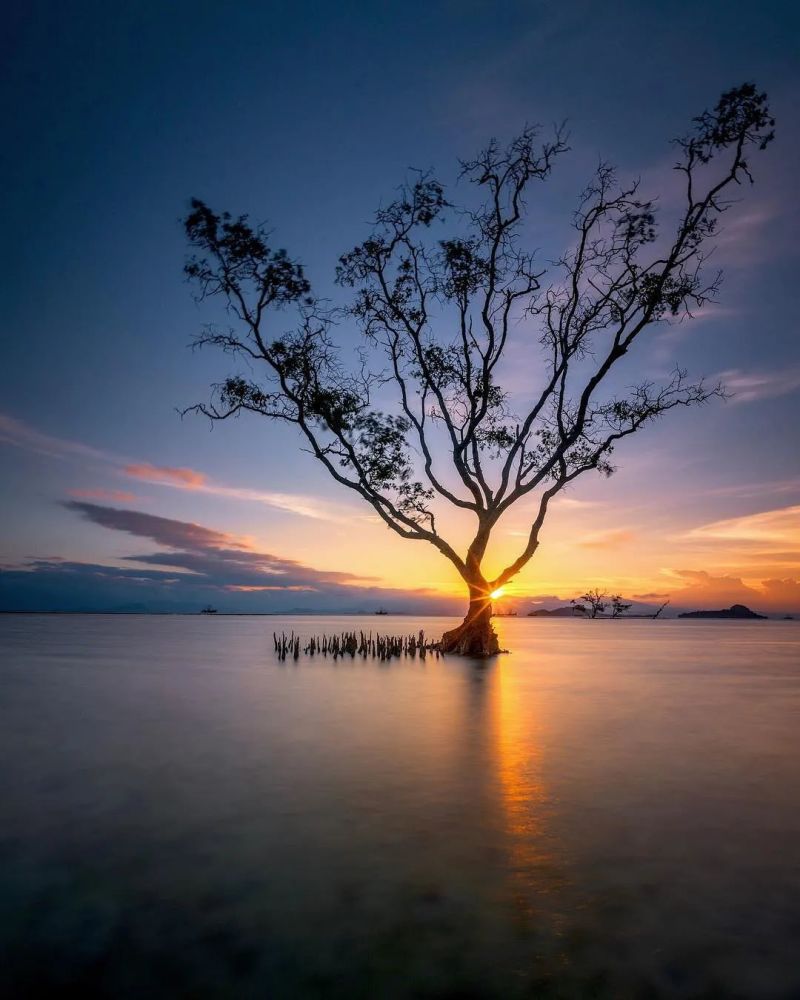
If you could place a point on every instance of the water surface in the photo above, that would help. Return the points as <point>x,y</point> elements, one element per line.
<point>612,810</point>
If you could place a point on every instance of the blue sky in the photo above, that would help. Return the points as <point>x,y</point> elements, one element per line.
<point>309,115</point>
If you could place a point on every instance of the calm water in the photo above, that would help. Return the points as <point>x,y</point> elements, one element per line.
<point>613,810</point>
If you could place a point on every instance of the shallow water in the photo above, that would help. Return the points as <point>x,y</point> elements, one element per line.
<point>612,810</point>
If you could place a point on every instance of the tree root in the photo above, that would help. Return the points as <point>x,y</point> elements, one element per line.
<point>473,637</point>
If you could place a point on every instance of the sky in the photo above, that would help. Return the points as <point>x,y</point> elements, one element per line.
<point>309,116</point>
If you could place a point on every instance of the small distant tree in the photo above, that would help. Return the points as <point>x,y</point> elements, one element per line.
<point>618,607</point>
<point>437,312</point>
<point>592,603</point>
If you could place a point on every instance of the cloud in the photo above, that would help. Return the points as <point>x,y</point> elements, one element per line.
<point>574,504</point>
<point>708,312</point>
<point>792,556</point>
<point>198,482</point>
<point>784,593</point>
<point>607,539</point>
<point>119,496</point>
<point>740,241</point>
<point>21,435</point>
<point>187,478</point>
<point>195,565</point>
<point>163,530</point>
<point>702,590</point>
<point>672,332</point>
<point>749,387</point>
<point>766,486</point>
<point>304,506</point>
<point>650,597</point>
<point>780,526</point>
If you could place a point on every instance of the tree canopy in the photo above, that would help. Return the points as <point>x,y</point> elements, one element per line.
<point>436,289</point>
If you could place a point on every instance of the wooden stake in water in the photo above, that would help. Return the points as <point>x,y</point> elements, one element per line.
<point>380,647</point>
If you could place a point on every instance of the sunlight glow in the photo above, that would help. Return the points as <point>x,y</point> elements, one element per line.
<point>496,593</point>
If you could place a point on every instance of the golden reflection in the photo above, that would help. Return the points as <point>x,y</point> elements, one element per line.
<point>534,862</point>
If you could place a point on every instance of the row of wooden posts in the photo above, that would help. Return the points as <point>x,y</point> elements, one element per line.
<point>353,644</point>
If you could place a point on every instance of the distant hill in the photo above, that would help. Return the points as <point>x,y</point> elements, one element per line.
<point>735,611</point>
<point>556,613</point>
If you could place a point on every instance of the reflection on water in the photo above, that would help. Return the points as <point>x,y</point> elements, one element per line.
<point>534,865</point>
<point>612,810</point>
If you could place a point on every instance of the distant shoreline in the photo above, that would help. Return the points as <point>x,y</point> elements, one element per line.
<point>239,614</point>
<point>778,616</point>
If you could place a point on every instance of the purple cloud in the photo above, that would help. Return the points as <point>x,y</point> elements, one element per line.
<point>195,565</point>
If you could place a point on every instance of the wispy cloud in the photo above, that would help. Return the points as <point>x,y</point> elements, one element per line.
<point>165,474</point>
<point>607,539</point>
<point>741,240</point>
<point>21,435</point>
<point>781,526</point>
<point>574,504</point>
<point>766,487</point>
<point>749,387</point>
<point>708,313</point>
<point>190,479</point>
<point>304,506</point>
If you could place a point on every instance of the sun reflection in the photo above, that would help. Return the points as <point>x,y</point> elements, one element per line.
<point>535,865</point>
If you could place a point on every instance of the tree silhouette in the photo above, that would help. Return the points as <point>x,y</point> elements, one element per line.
<point>618,606</point>
<point>438,312</point>
<point>592,603</point>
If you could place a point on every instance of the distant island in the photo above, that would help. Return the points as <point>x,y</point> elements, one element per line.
<point>567,612</point>
<point>735,611</point>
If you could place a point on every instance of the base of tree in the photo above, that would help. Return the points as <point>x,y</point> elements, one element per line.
<point>473,637</point>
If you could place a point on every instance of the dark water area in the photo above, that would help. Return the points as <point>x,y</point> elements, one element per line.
<point>611,810</point>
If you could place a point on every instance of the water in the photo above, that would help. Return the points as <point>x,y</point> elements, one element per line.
<point>612,810</point>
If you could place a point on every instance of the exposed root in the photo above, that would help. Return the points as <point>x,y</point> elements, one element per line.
<point>473,637</point>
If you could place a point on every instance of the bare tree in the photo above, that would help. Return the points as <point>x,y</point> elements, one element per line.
<point>592,603</point>
<point>618,606</point>
<point>438,312</point>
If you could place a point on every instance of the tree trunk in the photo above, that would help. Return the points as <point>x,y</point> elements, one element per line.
<point>475,635</point>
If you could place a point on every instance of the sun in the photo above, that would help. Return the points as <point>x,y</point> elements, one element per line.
<point>496,593</point>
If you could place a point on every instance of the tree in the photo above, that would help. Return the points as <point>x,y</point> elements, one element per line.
<point>438,313</point>
<point>592,603</point>
<point>618,607</point>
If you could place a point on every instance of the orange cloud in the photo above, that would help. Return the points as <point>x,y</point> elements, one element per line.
<point>783,593</point>
<point>187,478</point>
<point>781,526</point>
<point>703,591</point>
<point>607,540</point>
